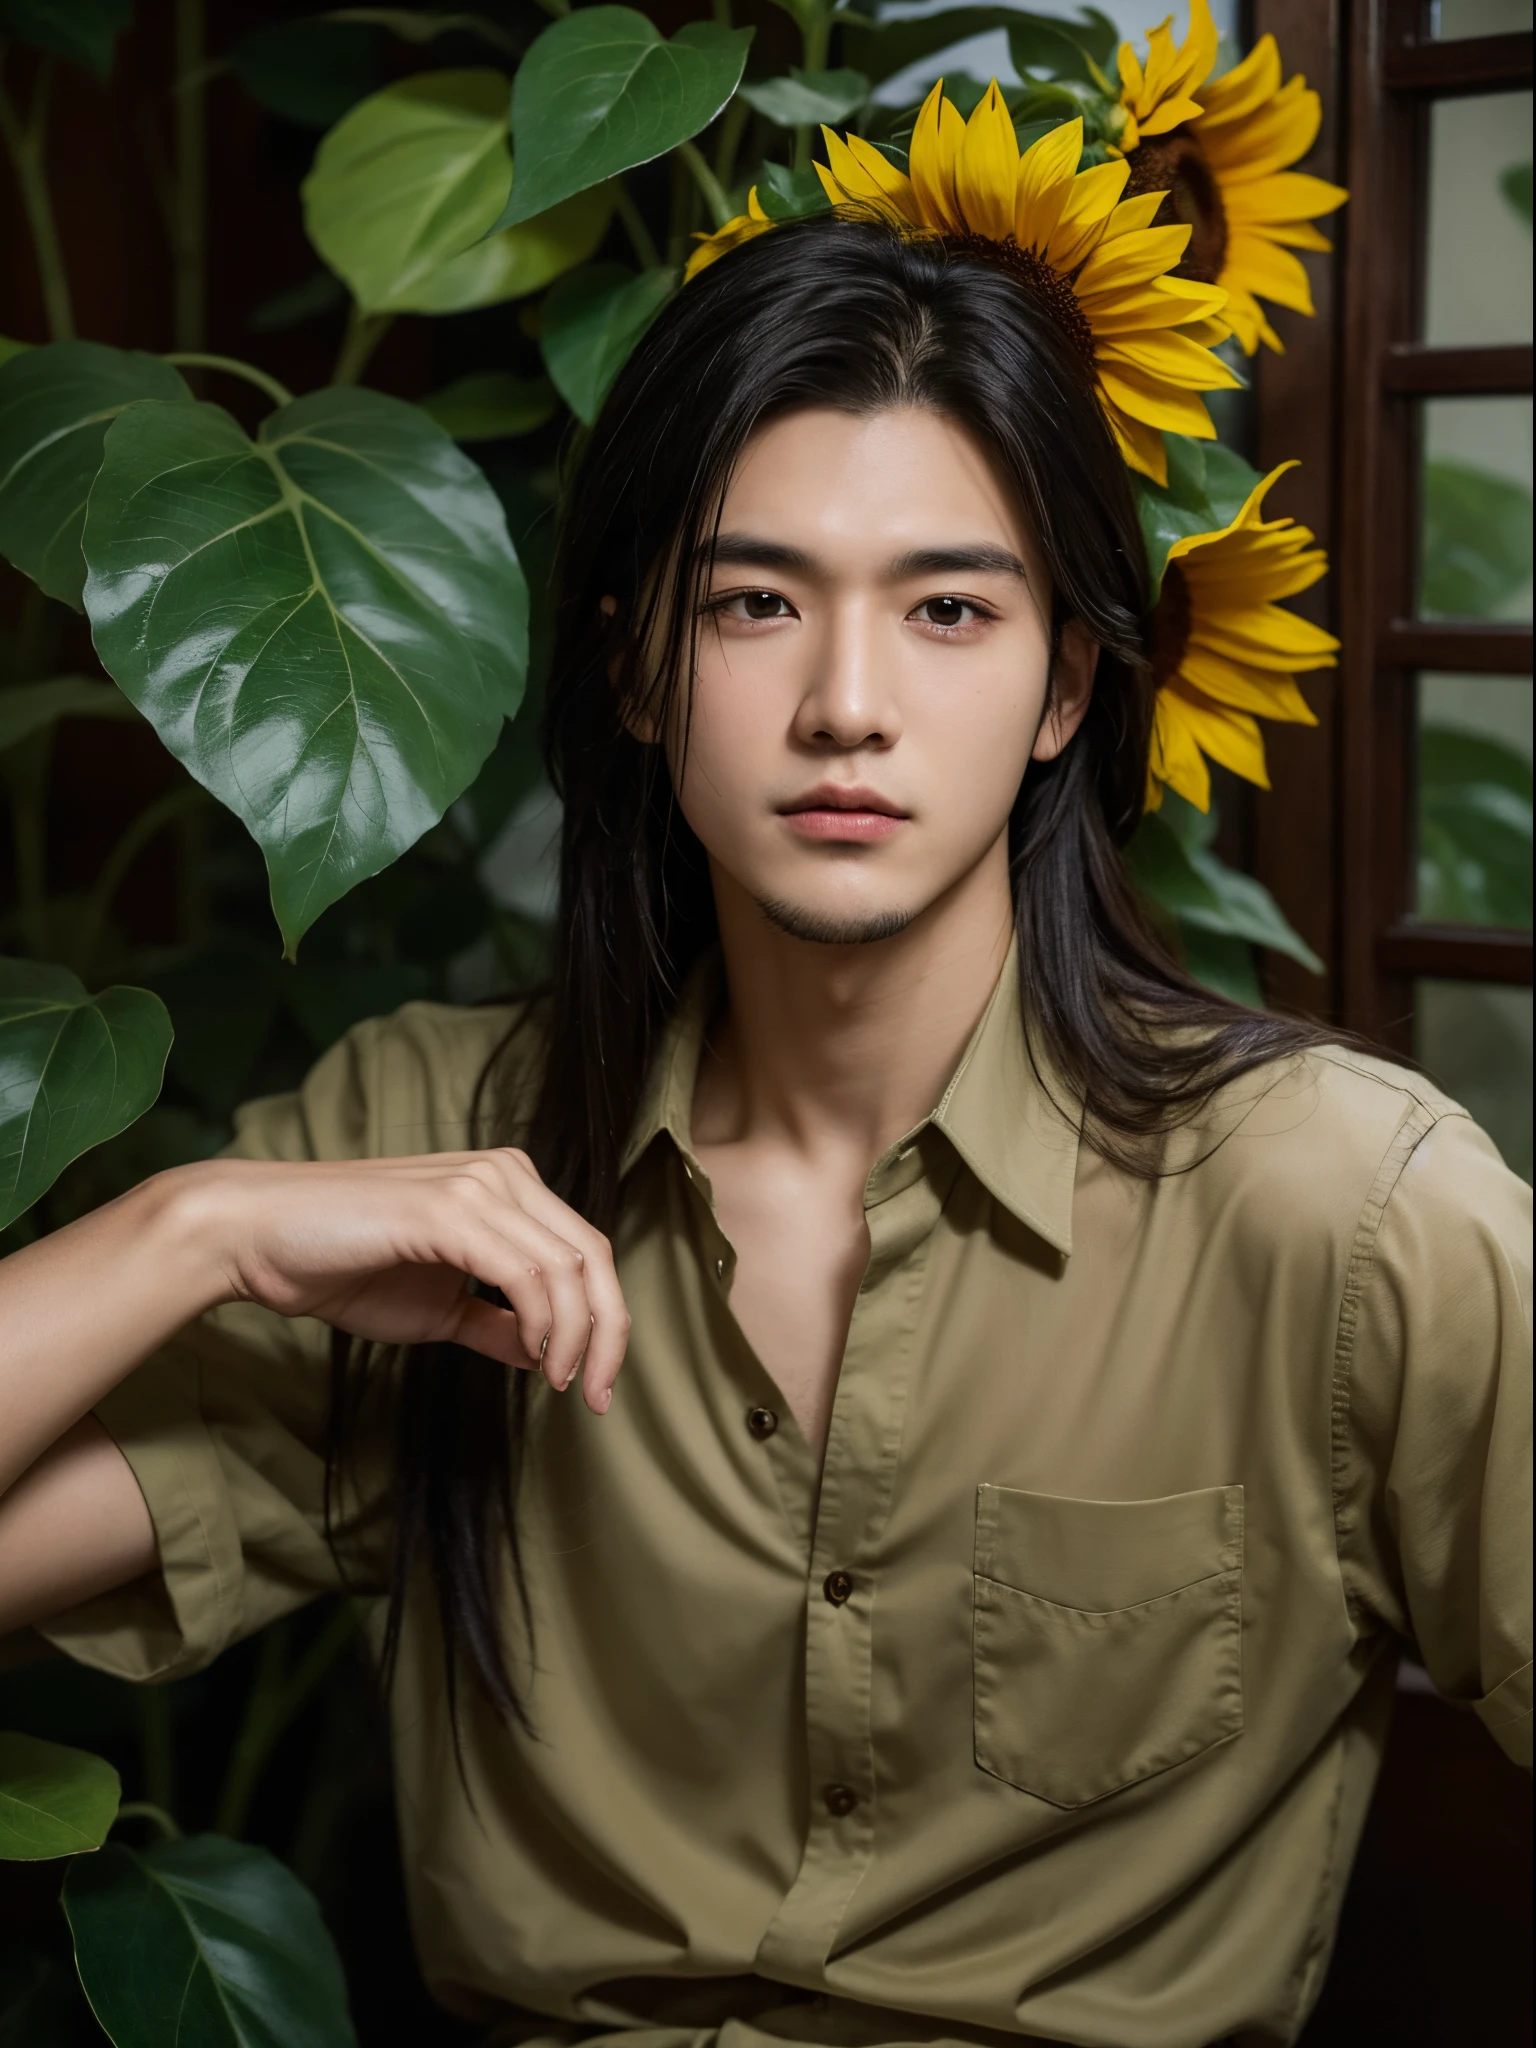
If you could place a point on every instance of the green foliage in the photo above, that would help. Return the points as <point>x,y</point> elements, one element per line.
<point>1064,48</point>
<point>326,624</point>
<point>406,185</point>
<point>492,405</point>
<point>1476,541</point>
<point>53,1801</point>
<point>1474,829</point>
<point>591,322</point>
<point>602,91</point>
<point>55,407</point>
<point>785,194</point>
<point>1515,184</point>
<point>84,31</point>
<point>808,97</point>
<point>205,1941</point>
<point>309,72</point>
<point>1206,489</point>
<point>1219,913</point>
<point>75,1069</point>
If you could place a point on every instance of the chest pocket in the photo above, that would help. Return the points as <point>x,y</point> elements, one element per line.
<point>1107,1637</point>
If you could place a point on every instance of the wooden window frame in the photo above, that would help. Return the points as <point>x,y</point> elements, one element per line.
<point>1335,842</point>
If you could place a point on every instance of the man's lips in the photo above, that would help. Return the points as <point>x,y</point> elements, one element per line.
<point>843,813</point>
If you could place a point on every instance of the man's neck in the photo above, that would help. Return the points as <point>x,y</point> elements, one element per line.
<point>836,1050</point>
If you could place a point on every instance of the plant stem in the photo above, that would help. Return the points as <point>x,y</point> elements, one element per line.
<point>145,1809</point>
<point>24,142</point>
<point>195,358</point>
<point>815,44</point>
<point>276,1698</point>
<point>733,126</point>
<point>189,192</point>
<point>140,831</point>
<point>364,333</point>
<point>709,185</point>
<point>641,239</point>
<point>157,1749</point>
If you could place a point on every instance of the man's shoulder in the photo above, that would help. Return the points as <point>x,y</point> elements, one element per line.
<point>428,1077</point>
<point>1314,1141</point>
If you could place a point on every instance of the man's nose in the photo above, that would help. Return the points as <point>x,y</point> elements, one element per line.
<point>849,698</point>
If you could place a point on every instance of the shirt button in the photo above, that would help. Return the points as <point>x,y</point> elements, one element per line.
<point>719,1269</point>
<point>762,1422</point>
<point>837,1586</point>
<point>839,1800</point>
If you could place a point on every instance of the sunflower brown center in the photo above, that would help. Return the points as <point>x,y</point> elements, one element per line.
<point>1171,621</point>
<point>1173,164</point>
<point>1049,287</point>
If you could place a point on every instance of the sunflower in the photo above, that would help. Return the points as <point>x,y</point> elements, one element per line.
<point>1093,257</point>
<point>1224,653</point>
<point>1220,149</point>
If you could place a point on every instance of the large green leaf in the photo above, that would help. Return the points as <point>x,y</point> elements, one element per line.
<point>53,1801</point>
<point>1476,541</point>
<point>808,97</point>
<point>1206,489</point>
<point>56,404</point>
<point>27,708</point>
<point>84,31</point>
<point>205,1942</point>
<point>327,625</point>
<point>1171,858</point>
<point>74,1069</point>
<point>491,405</point>
<point>601,91</point>
<point>592,319</point>
<point>405,186</point>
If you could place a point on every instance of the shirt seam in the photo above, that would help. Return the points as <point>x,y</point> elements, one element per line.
<point>1411,1133</point>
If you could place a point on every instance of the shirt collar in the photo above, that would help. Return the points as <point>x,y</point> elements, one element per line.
<point>1006,1111</point>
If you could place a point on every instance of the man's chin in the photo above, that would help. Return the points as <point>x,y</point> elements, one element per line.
<point>833,928</point>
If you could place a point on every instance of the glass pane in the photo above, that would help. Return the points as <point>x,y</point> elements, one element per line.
<point>1474,1039</point>
<point>1478,277</point>
<point>1475,799</point>
<point>1450,20</point>
<point>1475,550</point>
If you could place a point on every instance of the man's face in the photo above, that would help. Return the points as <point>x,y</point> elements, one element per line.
<point>872,673</point>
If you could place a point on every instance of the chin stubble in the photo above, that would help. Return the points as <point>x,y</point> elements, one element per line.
<point>818,929</point>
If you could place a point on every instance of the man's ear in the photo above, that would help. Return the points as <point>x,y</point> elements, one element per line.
<point>637,722</point>
<point>1077,660</point>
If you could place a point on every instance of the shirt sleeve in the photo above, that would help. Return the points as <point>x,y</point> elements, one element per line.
<point>224,1428</point>
<point>1434,1421</point>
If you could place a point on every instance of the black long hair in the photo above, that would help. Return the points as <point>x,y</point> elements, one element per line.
<point>856,316</point>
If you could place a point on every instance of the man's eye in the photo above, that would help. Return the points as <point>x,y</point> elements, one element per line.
<point>946,611</point>
<point>762,604</point>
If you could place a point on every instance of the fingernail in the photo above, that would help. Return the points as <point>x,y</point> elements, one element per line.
<point>570,1378</point>
<point>604,1400</point>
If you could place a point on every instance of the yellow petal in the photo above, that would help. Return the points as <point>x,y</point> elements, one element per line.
<point>1089,203</point>
<point>936,143</point>
<point>1246,86</point>
<point>988,168</point>
<point>1131,259</point>
<point>1161,353</point>
<point>1175,758</point>
<point>1155,403</point>
<point>1280,197</point>
<point>1243,689</point>
<point>1141,446</point>
<point>1172,113</point>
<point>1256,265</point>
<point>1230,737</point>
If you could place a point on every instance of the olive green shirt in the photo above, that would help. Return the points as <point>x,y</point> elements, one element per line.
<point>1052,1702</point>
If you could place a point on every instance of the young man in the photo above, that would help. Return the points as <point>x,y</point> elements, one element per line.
<point>1051,1395</point>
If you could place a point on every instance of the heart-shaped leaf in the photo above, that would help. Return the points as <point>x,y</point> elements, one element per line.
<point>601,91</point>
<point>327,625</point>
<point>207,1942</point>
<point>56,404</point>
<point>26,708</point>
<point>790,195</point>
<point>1170,856</point>
<point>808,97</point>
<point>84,31</point>
<point>591,321</point>
<point>405,186</point>
<point>53,1801</point>
<point>490,405</point>
<point>75,1069</point>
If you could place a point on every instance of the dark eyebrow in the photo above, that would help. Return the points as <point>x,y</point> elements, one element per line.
<point>980,556</point>
<point>749,550</point>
